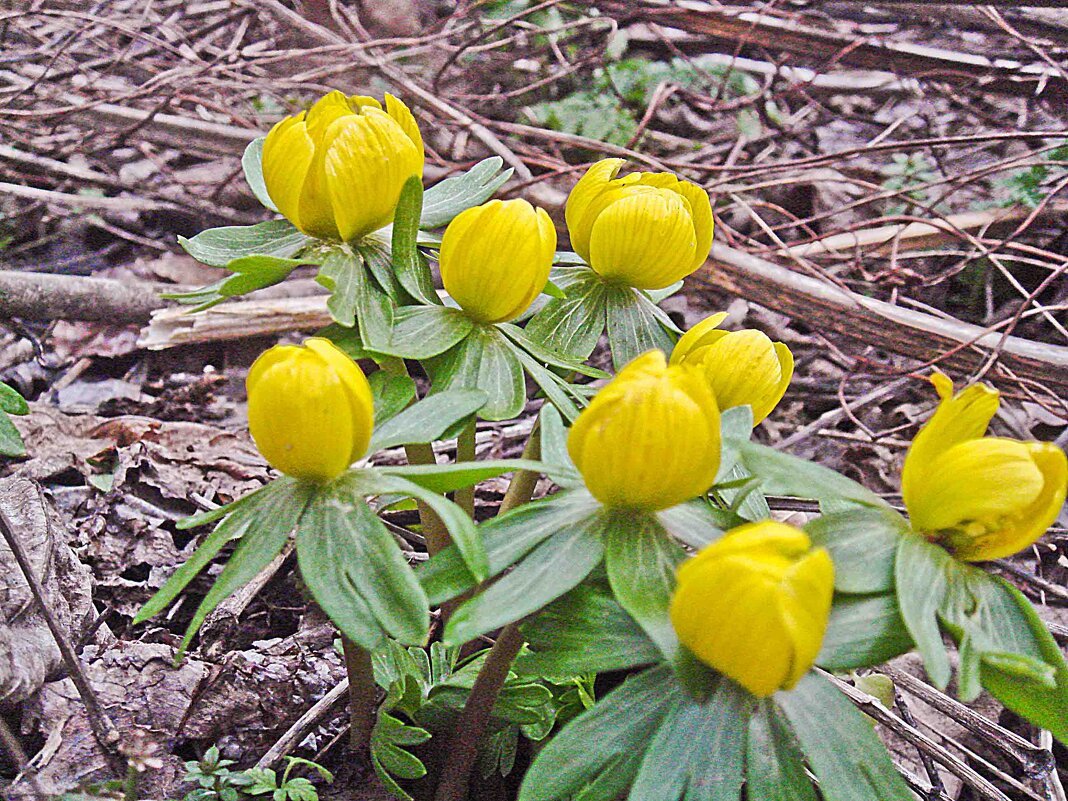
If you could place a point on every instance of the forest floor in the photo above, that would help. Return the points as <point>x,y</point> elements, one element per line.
<point>888,182</point>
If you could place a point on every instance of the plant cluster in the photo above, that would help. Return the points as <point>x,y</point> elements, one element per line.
<point>656,555</point>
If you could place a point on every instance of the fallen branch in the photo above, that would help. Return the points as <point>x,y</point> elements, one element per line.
<point>44,296</point>
<point>827,307</point>
<point>1003,76</point>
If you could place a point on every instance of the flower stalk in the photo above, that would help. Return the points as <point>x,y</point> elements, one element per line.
<point>362,692</point>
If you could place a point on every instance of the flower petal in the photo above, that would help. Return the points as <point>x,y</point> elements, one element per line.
<point>697,336</point>
<point>582,194</point>
<point>646,239</point>
<point>287,156</point>
<point>958,418</point>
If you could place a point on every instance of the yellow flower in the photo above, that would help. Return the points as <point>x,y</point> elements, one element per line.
<point>743,367</point>
<point>310,409</point>
<point>754,605</point>
<point>650,439</point>
<point>495,258</point>
<point>981,497</point>
<point>336,171</point>
<point>646,230</point>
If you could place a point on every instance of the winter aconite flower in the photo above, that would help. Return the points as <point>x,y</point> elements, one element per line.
<point>980,497</point>
<point>754,605</point>
<point>650,439</point>
<point>337,170</point>
<point>495,258</point>
<point>310,409</point>
<point>743,367</point>
<point>646,230</point>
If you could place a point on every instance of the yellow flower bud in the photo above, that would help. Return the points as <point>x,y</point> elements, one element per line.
<point>646,230</point>
<point>981,497</point>
<point>743,367</point>
<point>495,258</point>
<point>310,409</point>
<point>650,438</point>
<point>337,170</point>
<point>754,605</point>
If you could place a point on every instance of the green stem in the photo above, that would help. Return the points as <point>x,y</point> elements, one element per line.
<point>521,489</point>
<point>362,692</point>
<point>434,531</point>
<point>465,452</point>
<point>467,735</point>
<point>471,726</point>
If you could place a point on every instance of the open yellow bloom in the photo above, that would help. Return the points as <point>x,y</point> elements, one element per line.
<point>495,258</point>
<point>337,170</point>
<point>310,409</point>
<point>754,605</point>
<point>646,230</point>
<point>650,438</point>
<point>981,497</point>
<point>743,367</point>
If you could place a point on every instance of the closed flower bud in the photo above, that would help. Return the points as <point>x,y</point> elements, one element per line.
<point>495,258</point>
<point>337,170</point>
<point>980,497</point>
<point>742,367</point>
<point>650,438</point>
<point>646,230</point>
<point>310,409</point>
<point>754,605</point>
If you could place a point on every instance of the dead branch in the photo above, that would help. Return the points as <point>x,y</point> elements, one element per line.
<point>828,307</point>
<point>45,296</point>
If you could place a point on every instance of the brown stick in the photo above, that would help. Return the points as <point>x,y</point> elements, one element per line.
<point>362,692</point>
<point>828,307</point>
<point>43,296</point>
<point>101,725</point>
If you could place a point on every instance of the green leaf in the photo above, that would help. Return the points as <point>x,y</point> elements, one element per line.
<point>378,259</point>
<point>699,750</point>
<point>864,630</point>
<point>641,560</point>
<point>392,393</point>
<point>921,577</point>
<point>617,730</point>
<point>240,516</point>
<point>736,429</point>
<point>572,326</point>
<point>250,273</point>
<point>775,769</point>
<point>420,332</point>
<point>483,360</point>
<point>547,356</point>
<point>12,402</point>
<point>697,523</point>
<point>275,516</point>
<point>862,543</point>
<point>584,630</point>
<point>389,738</point>
<point>554,387</point>
<point>1020,663</point>
<point>633,327</point>
<point>555,566</point>
<point>840,744</point>
<point>220,246</point>
<point>355,298</point>
<point>740,490</point>
<point>783,474</point>
<point>356,572</point>
<point>252,164</point>
<point>428,419</point>
<point>449,197</point>
<point>507,538</point>
<point>553,436</point>
<point>443,478</point>
<point>411,268</point>
<point>11,444</point>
